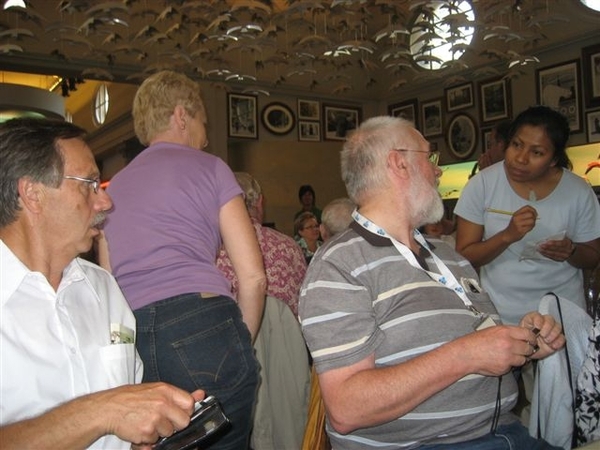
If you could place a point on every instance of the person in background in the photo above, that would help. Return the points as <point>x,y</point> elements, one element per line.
<point>283,259</point>
<point>336,217</point>
<point>530,224</point>
<point>409,351</point>
<point>308,198</point>
<point>306,230</point>
<point>499,139</point>
<point>280,348</point>
<point>175,205</point>
<point>497,146</point>
<point>67,335</point>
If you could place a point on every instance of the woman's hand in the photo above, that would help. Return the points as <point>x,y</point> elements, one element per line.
<point>521,223</point>
<point>558,250</point>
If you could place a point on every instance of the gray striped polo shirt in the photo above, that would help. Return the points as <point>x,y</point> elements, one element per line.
<point>361,297</point>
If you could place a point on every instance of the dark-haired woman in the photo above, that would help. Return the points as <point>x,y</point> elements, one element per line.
<point>529,223</point>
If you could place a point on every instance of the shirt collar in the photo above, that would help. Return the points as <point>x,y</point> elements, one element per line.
<point>13,272</point>
<point>377,240</point>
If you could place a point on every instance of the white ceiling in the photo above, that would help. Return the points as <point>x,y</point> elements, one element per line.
<point>125,40</point>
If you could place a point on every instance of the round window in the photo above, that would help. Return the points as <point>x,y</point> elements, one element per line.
<point>101,102</point>
<point>441,33</point>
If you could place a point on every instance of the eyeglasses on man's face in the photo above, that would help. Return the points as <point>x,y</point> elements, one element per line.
<point>434,157</point>
<point>94,183</point>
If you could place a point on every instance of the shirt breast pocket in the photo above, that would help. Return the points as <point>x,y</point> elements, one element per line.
<point>119,363</point>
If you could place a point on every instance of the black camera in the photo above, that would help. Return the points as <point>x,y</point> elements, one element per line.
<point>208,418</point>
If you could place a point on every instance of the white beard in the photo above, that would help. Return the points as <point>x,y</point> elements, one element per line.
<point>425,202</point>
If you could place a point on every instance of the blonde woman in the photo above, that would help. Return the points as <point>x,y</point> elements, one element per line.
<point>174,205</point>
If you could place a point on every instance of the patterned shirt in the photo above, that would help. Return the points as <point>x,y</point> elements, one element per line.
<point>284,265</point>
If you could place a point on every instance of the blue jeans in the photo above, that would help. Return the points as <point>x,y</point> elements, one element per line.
<point>202,343</point>
<point>513,436</point>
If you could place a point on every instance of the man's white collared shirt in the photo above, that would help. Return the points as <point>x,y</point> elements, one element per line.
<point>56,346</point>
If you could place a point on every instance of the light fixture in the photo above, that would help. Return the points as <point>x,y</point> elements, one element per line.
<point>441,33</point>
<point>592,4</point>
<point>11,3</point>
<point>27,101</point>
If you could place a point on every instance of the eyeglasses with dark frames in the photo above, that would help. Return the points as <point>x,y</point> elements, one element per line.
<point>94,183</point>
<point>434,157</point>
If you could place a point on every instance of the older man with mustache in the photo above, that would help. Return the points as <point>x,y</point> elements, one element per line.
<point>67,336</point>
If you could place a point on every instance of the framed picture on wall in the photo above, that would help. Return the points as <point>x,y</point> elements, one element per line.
<point>495,100</point>
<point>593,126</point>
<point>309,130</point>
<point>486,139</point>
<point>308,110</point>
<point>459,97</point>
<point>590,57</point>
<point>431,117</point>
<point>278,118</point>
<point>242,116</point>
<point>461,136</point>
<point>407,110</point>
<point>339,120</point>
<point>558,88</point>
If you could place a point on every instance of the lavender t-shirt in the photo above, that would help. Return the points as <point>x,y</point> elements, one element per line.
<point>163,232</point>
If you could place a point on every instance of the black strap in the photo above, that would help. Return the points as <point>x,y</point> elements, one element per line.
<point>562,322</point>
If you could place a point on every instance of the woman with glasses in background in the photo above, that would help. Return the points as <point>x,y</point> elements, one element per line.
<point>307,234</point>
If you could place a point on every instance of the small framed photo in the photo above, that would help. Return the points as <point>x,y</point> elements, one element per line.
<point>308,110</point>
<point>278,118</point>
<point>590,57</point>
<point>495,100</point>
<point>459,97</point>
<point>486,139</point>
<point>431,117</point>
<point>242,116</point>
<point>461,136</point>
<point>309,130</point>
<point>593,126</point>
<point>339,120</point>
<point>558,88</point>
<point>407,110</point>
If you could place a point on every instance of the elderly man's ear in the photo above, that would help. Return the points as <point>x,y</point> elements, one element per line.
<point>397,163</point>
<point>30,194</point>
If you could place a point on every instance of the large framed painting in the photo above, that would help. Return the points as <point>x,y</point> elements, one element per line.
<point>242,116</point>
<point>339,120</point>
<point>558,87</point>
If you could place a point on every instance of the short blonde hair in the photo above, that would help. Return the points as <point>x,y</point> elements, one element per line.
<point>156,99</point>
